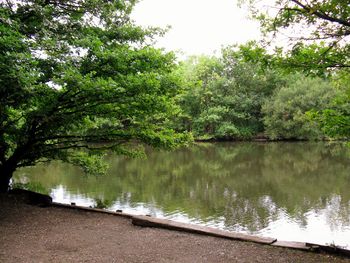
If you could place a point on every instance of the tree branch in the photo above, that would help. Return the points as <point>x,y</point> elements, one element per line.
<point>322,15</point>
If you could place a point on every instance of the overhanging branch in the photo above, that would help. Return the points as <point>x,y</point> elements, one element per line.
<point>322,15</point>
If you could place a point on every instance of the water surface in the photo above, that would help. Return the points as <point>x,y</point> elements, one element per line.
<point>290,191</point>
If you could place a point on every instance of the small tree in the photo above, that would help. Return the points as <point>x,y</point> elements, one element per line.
<point>78,78</point>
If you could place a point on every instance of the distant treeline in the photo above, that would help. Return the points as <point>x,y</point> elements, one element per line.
<point>246,93</point>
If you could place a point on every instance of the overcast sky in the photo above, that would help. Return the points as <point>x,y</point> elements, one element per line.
<point>198,26</point>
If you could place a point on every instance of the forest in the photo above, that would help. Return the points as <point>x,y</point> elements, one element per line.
<point>248,93</point>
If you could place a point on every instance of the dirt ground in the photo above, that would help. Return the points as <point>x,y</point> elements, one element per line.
<point>34,234</point>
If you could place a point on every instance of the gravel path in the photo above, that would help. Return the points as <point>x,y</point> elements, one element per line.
<point>34,234</point>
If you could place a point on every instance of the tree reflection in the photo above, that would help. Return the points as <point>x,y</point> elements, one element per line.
<point>244,184</point>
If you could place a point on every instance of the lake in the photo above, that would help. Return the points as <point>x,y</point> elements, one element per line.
<point>290,191</point>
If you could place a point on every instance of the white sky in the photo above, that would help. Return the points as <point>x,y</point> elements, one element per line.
<point>198,26</point>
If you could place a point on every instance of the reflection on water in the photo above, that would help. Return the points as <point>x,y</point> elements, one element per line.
<point>290,191</point>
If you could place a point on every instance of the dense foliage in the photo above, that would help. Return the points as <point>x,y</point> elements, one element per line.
<point>285,113</point>
<point>77,78</point>
<point>319,33</point>
<point>223,97</point>
<point>319,29</point>
<point>247,93</point>
<point>335,121</point>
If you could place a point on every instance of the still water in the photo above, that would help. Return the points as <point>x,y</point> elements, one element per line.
<point>289,191</point>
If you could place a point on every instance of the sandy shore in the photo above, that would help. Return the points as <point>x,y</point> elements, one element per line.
<point>34,234</point>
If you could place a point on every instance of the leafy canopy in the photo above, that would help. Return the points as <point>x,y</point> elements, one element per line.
<point>77,78</point>
<point>223,96</point>
<point>284,112</point>
<point>319,32</point>
<point>306,23</point>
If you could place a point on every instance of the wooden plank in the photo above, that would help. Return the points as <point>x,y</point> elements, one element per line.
<point>145,221</point>
<point>292,244</point>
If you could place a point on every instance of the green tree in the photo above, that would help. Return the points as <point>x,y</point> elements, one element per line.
<point>223,96</point>
<point>78,78</point>
<point>311,22</point>
<point>319,36</point>
<point>284,112</point>
<point>196,73</point>
<point>335,120</point>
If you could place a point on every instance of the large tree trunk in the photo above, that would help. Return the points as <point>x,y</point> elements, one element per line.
<point>4,184</point>
<point>5,177</point>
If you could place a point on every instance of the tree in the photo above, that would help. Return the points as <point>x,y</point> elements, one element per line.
<point>196,74</point>
<point>223,96</point>
<point>335,120</point>
<point>78,78</point>
<point>320,45</point>
<point>284,112</point>
<point>325,22</point>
